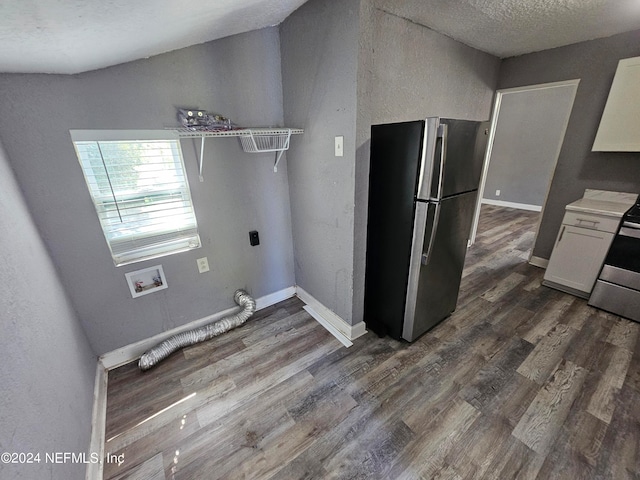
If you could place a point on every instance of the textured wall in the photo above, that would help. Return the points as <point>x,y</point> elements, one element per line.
<point>594,63</point>
<point>239,77</point>
<point>528,137</point>
<point>363,136</point>
<point>47,368</point>
<point>418,72</point>
<point>319,65</point>
<point>408,72</point>
<point>347,64</point>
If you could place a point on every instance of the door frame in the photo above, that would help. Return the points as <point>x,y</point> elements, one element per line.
<point>492,129</point>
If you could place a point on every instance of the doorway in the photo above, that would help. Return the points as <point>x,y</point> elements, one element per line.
<point>528,125</point>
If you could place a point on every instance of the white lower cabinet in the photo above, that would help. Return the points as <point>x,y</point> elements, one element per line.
<point>579,252</point>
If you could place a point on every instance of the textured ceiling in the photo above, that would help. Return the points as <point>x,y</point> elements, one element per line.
<point>506,28</point>
<point>71,36</point>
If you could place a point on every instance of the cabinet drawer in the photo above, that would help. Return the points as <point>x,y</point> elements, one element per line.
<point>591,221</point>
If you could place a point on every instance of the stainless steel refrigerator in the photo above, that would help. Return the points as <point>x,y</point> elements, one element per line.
<point>423,185</point>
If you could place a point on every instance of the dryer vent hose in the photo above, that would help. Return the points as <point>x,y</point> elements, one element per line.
<point>197,335</point>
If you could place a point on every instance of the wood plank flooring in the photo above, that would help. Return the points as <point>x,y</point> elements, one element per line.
<point>522,381</point>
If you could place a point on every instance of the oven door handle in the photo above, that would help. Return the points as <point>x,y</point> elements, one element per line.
<point>629,232</point>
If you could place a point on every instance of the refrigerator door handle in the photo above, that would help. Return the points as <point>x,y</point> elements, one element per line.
<point>420,221</point>
<point>427,255</point>
<point>442,134</point>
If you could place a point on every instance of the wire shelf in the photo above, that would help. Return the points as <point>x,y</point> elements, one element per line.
<point>238,132</point>
<point>252,140</point>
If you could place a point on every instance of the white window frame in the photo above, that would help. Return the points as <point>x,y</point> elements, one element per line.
<point>163,238</point>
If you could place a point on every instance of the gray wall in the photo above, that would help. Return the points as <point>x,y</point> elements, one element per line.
<point>319,65</point>
<point>239,77</point>
<point>528,137</point>
<point>417,72</point>
<point>47,368</point>
<point>409,72</point>
<point>345,66</point>
<point>594,63</point>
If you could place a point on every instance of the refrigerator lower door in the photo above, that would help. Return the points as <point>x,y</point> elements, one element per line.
<point>441,233</point>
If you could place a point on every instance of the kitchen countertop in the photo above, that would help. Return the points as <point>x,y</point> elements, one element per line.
<point>601,202</point>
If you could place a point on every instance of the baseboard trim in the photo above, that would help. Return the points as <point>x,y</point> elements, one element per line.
<point>135,350</point>
<point>327,318</point>
<point>273,298</point>
<point>98,422</point>
<point>539,262</point>
<point>328,326</point>
<point>519,206</point>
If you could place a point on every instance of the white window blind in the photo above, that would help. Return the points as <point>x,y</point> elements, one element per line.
<point>141,195</point>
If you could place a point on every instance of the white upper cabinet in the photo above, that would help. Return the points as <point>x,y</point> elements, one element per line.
<point>619,129</point>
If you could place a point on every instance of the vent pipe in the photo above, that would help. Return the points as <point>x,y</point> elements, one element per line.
<point>197,335</point>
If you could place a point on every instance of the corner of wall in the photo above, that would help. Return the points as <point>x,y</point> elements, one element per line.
<point>319,49</point>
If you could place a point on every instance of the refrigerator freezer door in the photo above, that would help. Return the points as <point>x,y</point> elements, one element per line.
<point>461,145</point>
<point>435,273</point>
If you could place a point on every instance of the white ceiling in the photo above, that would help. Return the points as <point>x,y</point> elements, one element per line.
<point>71,36</point>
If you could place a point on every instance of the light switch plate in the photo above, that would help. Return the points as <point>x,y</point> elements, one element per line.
<point>203,264</point>
<point>339,147</point>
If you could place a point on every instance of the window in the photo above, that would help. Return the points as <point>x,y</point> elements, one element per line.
<point>140,192</point>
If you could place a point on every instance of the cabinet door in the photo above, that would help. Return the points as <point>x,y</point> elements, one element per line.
<point>577,257</point>
<point>618,130</point>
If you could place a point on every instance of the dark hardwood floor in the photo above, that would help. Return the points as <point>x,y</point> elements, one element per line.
<point>522,381</point>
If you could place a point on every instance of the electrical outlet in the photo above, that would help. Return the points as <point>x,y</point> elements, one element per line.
<point>254,238</point>
<point>339,147</point>
<point>497,193</point>
<point>203,264</point>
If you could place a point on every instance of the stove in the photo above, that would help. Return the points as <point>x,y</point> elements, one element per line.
<point>632,217</point>
<point>617,289</point>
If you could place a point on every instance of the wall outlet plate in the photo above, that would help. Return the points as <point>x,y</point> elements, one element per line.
<point>339,146</point>
<point>203,264</point>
